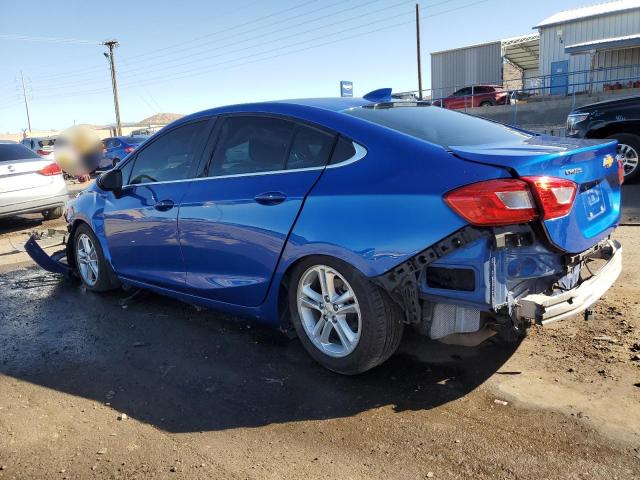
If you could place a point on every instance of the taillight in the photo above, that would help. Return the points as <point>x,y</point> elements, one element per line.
<point>129,149</point>
<point>508,201</point>
<point>51,169</point>
<point>621,171</point>
<point>555,195</point>
<point>493,202</point>
<point>42,153</point>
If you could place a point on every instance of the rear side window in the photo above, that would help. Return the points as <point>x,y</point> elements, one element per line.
<point>171,157</point>
<point>15,151</point>
<point>310,148</point>
<point>463,91</point>
<point>344,151</point>
<point>251,145</point>
<point>438,125</point>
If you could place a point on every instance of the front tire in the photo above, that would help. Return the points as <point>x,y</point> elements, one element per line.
<point>345,322</point>
<point>92,268</point>
<point>629,153</point>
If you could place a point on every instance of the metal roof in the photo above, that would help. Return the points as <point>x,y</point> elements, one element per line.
<point>628,41</point>
<point>475,45</point>
<point>523,52</point>
<point>589,11</point>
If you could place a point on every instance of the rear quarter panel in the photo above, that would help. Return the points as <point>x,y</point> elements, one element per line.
<point>377,212</point>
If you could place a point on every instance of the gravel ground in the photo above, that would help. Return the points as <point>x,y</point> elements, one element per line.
<point>91,388</point>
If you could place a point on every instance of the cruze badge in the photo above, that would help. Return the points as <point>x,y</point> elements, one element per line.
<point>573,171</point>
<point>607,161</point>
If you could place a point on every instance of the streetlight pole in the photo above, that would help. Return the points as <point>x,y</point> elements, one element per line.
<point>114,83</point>
<point>26,104</point>
<point>418,51</point>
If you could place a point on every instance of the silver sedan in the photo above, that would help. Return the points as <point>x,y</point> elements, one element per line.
<point>30,183</point>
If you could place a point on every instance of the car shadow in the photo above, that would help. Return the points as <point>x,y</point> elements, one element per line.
<point>20,223</point>
<point>183,370</point>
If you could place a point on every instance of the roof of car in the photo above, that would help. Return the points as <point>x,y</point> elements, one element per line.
<point>124,138</point>
<point>328,104</point>
<point>612,101</point>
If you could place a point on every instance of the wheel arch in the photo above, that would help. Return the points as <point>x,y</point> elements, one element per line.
<point>71,255</point>
<point>632,127</point>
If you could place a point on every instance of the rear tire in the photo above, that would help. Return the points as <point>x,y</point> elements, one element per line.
<point>53,213</point>
<point>374,322</point>
<point>629,148</point>
<point>92,268</point>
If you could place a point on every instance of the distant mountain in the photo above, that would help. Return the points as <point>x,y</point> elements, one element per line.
<point>160,119</point>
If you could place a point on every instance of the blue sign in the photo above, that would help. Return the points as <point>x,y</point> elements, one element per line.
<point>346,88</point>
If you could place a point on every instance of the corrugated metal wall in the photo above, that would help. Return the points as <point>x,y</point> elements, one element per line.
<point>555,38</point>
<point>465,66</point>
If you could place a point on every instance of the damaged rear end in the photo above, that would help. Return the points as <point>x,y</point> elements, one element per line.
<point>537,247</point>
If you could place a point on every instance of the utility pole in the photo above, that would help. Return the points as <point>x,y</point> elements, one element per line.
<point>26,105</point>
<point>418,51</point>
<point>114,83</point>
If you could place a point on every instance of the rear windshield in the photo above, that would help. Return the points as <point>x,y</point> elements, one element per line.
<point>14,151</point>
<point>134,140</point>
<point>438,125</point>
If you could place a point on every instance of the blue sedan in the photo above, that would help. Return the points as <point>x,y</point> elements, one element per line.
<point>345,221</point>
<point>117,148</point>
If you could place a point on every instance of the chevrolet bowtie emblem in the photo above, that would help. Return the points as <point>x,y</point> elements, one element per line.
<point>607,161</point>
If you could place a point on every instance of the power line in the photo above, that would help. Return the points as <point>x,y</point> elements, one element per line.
<point>131,72</point>
<point>75,72</point>
<point>28,38</point>
<point>190,73</point>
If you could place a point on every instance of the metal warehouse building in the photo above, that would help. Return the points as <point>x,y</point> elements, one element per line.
<point>604,38</point>
<point>484,64</point>
<point>585,49</point>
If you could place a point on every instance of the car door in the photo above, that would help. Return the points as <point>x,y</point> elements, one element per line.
<point>140,221</point>
<point>234,223</point>
<point>457,100</point>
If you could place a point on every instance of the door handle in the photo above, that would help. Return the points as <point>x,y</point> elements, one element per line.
<point>270,198</point>
<point>164,205</point>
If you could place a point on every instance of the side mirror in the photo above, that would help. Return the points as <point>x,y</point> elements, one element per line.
<point>111,180</point>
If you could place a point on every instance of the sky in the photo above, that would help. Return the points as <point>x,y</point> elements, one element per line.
<point>185,56</point>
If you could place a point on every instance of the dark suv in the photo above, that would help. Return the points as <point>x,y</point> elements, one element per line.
<point>619,119</point>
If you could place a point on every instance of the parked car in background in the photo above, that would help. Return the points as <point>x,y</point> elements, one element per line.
<point>43,146</point>
<point>117,148</point>
<point>30,183</point>
<point>617,119</point>
<point>345,220</point>
<point>475,96</point>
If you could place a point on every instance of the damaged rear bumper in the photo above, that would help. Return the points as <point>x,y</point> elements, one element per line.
<point>55,263</point>
<point>544,309</point>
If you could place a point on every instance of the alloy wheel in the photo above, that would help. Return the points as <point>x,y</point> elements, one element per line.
<point>87,256</point>
<point>629,157</point>
<point>329,311</point>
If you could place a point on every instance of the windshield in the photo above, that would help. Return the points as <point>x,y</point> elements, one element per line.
<point>438,125</point>
<point>14,151</point>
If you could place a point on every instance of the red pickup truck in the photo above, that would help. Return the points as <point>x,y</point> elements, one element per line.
<point>475,96</point>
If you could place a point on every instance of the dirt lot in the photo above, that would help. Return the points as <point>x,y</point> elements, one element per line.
<point>208,396</point>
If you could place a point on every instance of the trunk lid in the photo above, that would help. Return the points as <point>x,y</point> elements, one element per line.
<point>23,174</point>
<point>591,164</point>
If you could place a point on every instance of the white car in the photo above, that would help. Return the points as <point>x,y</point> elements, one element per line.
<point>30,183</point>
<point>44,147</point>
